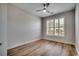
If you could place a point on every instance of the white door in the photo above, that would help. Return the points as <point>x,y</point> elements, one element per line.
<point>3,29</point>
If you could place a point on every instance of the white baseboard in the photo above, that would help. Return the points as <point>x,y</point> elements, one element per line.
<point>22,44</point>
<point>77,52</point>
<point>61,41</point>
<point>33,41</point>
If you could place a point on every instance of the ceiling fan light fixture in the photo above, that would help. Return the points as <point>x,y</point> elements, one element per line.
<point>44,10</point>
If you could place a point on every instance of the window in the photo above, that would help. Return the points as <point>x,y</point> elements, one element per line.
<point>55,27</point>
<point>61,27</point>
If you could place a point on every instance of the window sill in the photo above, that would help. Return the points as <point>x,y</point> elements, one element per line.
<point>55,36</point>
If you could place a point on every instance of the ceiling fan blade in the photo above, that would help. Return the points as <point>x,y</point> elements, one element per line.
<point>45,5</point>
<point>49,12</point>
<point>39,10</point>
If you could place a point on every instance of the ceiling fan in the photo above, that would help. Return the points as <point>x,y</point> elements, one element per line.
<point>45,10</point>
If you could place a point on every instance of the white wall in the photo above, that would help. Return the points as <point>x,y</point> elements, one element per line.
<point>3,29</point>
<point>22,27</point>
<point>77,26</point>
<point>69,27</point>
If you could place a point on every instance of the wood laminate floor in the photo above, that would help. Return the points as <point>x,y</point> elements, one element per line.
<point>43,48</point>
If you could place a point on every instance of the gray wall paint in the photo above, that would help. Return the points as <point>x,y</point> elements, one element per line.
<point>3,29</point>
<point>77,27</point>
<point>69,27</point>
<point>22,26</point>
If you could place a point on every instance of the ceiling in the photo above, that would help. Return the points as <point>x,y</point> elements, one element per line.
<point>53,7</point>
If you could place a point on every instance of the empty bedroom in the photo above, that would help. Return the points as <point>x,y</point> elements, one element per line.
<point>40,29</point>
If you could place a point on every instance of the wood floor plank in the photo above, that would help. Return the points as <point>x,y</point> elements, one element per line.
<point>43,48</point>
